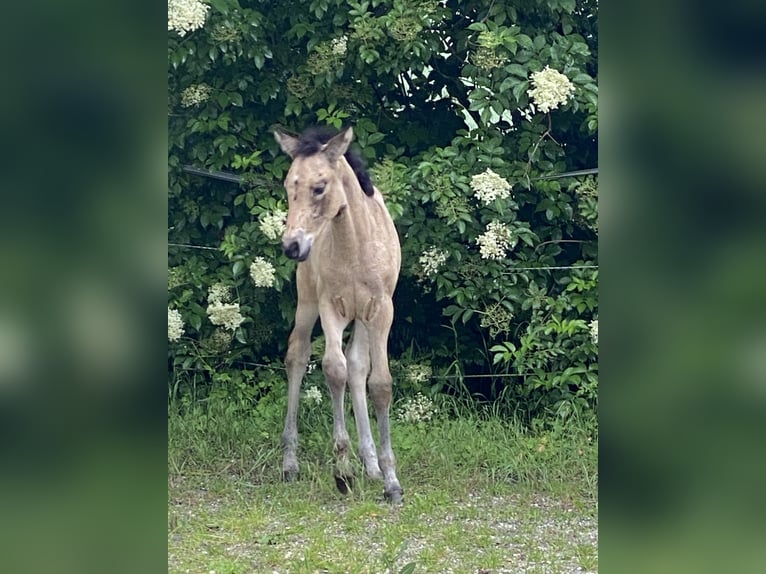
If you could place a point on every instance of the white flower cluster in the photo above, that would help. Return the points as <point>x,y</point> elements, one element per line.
<point>220,310</point>
<point>226,315</point>
<point>175,325</point>
<point>262,272</point>
<point>594,330</point>
<point>314,395</point>
<point>488,186</point>
<point>195,94</point>
<point>219,293</point>
<point>273,224</point>
<point>431,260</point>
<point>339,46</point>
<point>418,372</point>
<point>550,89</point>
<point>495,241</point>
<point>419,409</point>
<point>186,15</point>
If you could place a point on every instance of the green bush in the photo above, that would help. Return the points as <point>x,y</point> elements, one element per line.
<point>448,102</point>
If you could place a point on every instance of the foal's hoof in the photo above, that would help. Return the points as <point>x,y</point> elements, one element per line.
<point>344,483</point>
<point>290,475</point>
<point>395,496</point>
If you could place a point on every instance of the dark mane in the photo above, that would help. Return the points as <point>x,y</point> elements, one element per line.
<point>311,142</point>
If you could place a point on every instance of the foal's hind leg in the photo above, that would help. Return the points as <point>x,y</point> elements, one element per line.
<point>380,384</point>
<point>358,364</point>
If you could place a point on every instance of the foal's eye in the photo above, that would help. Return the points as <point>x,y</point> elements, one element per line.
<point>318,190</point>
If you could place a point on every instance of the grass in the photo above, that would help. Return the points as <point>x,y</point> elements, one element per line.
<point>482,495</point>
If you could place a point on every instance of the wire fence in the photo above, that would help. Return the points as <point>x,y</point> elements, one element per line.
<point>234,178</point>
<point>276,368</point>
<point>511,270</point>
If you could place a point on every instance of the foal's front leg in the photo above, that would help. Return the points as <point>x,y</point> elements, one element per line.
<point>298,355</point>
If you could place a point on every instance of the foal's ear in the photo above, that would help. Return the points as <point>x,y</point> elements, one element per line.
<point>338,145</point>
<point>288,143</point>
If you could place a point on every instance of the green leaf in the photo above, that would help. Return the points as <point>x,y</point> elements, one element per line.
<point>524,41</point>
<point>237,268</point>
<point>519,88</point>
<point>221,6</point>
<point>516,70</point>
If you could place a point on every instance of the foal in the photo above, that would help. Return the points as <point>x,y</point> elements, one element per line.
<point>340,231</point>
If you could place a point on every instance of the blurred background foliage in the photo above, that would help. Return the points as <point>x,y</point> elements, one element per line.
<point>437,93</point>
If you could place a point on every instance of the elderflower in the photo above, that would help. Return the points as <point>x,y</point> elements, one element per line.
<point>195,94</point>
<point>218,293</point>
<point>594,330</point>
<point>218,342</point>
<point>404,28</point>
<point>186,15</point>
<point>262,272</point>
<point>314,395</point>
<point>497,318</point>
<point>495,241</point>
<point>339,46</point>
<point>225,314</point>
<point>273,224</point>
<point>431,260</point>
<point>175,325</point>
<point>176,277</point>
<point>488,186</point>
<point>550,89</point>
<point>418,373</point>
<point>419,409</point>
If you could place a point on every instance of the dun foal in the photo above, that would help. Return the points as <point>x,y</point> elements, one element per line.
<point>340,231</point>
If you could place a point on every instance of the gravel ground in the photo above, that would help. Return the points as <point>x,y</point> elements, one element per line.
<point>478,534</point>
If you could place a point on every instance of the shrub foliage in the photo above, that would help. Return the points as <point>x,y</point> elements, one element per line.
<point>498,291</point>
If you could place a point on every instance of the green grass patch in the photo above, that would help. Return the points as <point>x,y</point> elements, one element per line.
<point>482,494</point>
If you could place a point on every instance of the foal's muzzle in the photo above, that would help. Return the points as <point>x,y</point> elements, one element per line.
<point>297,245</point>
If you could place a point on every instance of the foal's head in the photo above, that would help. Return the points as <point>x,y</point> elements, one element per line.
<point>314,188</point>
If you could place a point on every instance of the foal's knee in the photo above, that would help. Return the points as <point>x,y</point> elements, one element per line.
<point>298,351</point>
<point>380,391</point>
<point>334,369</point>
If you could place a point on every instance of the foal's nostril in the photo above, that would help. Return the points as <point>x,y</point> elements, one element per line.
<point>291,249</point>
